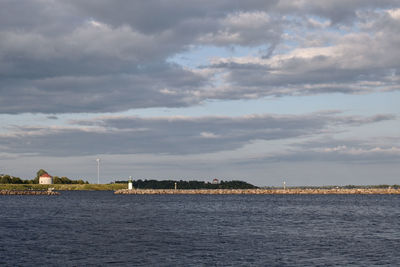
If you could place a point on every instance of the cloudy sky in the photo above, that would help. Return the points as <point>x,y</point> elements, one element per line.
<point>302,91</point>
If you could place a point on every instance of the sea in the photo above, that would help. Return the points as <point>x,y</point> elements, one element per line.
<point>98,228</point>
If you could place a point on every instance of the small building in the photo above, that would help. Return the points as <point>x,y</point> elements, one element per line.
<point>215,181</point>
<point>130,186</point>
<point>45,179</point>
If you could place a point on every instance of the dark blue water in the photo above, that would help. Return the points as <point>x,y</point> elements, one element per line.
<point>99,228</point>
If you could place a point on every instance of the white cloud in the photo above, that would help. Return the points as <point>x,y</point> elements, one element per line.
<point>394,13</point>
<point>208,135</point>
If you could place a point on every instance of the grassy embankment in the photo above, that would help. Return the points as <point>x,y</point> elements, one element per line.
<point>86,187</point>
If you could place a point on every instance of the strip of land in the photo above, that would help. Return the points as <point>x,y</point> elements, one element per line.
<point>339,191</point>
<point>28,192</point>
<point>64,187</point>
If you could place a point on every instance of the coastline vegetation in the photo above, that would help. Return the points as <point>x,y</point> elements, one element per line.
<point>170,184</point>
<point>8,179</point>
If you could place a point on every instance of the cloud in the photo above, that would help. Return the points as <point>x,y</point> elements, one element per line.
<point>174,12</point>
<point>368,151</point>
<point>172,135</point>
<point>245,29</point>
<point>101,56</point>
<point>325,149</point>
<point>337,11</point>
<point>166,86</point>
<point>355,63</point>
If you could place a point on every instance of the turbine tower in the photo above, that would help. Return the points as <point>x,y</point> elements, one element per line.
<point>98,170</point>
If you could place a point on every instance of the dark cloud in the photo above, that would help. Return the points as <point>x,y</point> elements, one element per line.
<point>172,13</point>
<point>172,135</point>
<point>167,86</point>
<point>52,117</point>
<point>109,56</point>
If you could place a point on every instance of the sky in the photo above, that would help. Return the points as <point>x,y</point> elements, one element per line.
<point>301,91</point>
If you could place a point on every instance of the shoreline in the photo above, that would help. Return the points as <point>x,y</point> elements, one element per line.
<point>372,191</point>
<point>64,187</point>
<point>28,192</point>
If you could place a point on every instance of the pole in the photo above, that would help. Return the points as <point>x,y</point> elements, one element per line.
<point>98,171</point>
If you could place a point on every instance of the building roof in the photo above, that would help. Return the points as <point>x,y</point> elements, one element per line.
<point>45,175</point>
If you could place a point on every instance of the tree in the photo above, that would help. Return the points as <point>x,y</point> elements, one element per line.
<point>56,180</point>
<point>65,180</point>
<point>16,180</point>
<point>6,179</point>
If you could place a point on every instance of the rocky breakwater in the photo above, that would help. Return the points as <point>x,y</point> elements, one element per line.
<point>28,192</point>
<point>338,191</point>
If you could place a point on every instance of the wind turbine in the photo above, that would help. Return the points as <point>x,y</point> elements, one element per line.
<point>98,170</point>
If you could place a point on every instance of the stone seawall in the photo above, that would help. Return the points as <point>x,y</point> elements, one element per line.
<point>28,192</point>
<point>257,191</point>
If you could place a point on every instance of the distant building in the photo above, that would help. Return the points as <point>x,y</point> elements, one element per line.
<point>45,179</point>
<point>215,181</point>
<point>130,186</point>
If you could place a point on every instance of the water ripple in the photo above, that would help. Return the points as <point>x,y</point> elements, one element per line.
<point>99,228</point>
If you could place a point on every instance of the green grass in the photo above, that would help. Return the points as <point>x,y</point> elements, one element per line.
<point>86,187</point>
